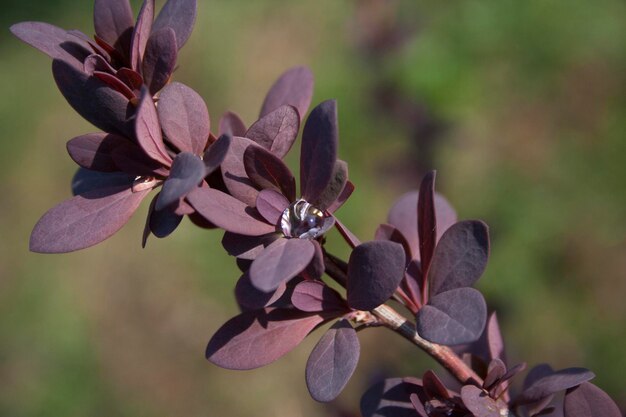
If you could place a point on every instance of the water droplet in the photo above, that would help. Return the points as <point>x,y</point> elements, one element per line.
<point>304,221</point>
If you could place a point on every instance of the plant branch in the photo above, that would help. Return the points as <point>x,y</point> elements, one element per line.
<point>390,318</point>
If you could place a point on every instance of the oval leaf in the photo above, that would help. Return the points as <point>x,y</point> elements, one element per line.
<point>159,60</point>
<point>392,398</point>
<point>267,171</point>
<point>335,187</point>
<point>184,118</point>
<point>227,212</point>
<point>375,270</point>
<point>216,153</point>
<point>481,404</point>
<point>271,205</point>
<point>332,362</point>
<point>460,257</point>
<point>553,383</point>
<point>234,172</point>
<point>276,131</point>
<point>587,400</point>
<point>315,296</point>
<point>280,262</point>
<point>112,20</point>
<point>427,220</point>
<point>85,180</point>
<point>453,317</point>
<point>141,34</point>
<point>231,124</point>
<point>246,247</point>
<point>84,220</point>
<point>257,338</point>
<point>93,151</point>
<point>294,87</point>
<point>148,130</point>
<point>251,298</point>
<point>319,150</point>
<point>186,174</point>
<point>180,16</point>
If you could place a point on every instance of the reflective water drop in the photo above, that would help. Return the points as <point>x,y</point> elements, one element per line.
<point>304,221</point>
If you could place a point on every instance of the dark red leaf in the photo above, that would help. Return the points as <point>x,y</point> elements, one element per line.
<point>97,63</point>
<point>231,124</point>
<point>131,78</point>
<point>427,221</point>
<point>246,247</point>
<point>553,383</point>
<point>94,100</point>
<point>433,387</point>
<point>342,198</point>
<point>315,296</point>
<point>319,150</point>
<point>494,338</point>
<point>227,212</point>
<point>390,233</point>
<point>180,16</point>
<point>276,131</point>
<point>587,400</point>
<point>257,338</point>
<point>131,159</point>
<point>86,180</point>
<point>84,220</point>
<point>480,404</point>
<point>294,87</point>
<point>159,59</point>
<point>375,270</point>
<point>163,222</point>
<point>403,215</point>
<point>332,362</point>
<point>148,130</point>
<point>392,398</point>
<point>52,41</point>
<point>234,172</point>
<point>334,188</point>
<point>496,370</point>
<point>216,153</point>
<point>280,262</point>
<point>267,171</point>
<point>271,205</point>
<point>93,151</point>
<point>184,118</point>
<point>186,174</point>
<point>460,257</point>
<point>115,83</point>
<point>141,34</point>
<point>251,298</point>
<point>453,317</point>
<point>112,19</point>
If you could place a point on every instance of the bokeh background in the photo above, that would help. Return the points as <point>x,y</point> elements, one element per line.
<point>520,105</point>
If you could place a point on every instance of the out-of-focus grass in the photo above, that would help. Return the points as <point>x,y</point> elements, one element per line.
<point>534,94</point>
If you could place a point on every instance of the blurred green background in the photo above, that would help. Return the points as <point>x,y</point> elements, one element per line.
<point>520,105</point>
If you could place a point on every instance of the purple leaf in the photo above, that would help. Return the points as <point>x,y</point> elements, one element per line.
<point>159,59</point>
<point>148,130</point>
<point>163,222</point>
<point>294,87</point>
<point>332,362</point>
<point>131,78</point>
<point>112,20</point>
<point>280,262</point>
<point>141,34</point>
<point>251,298</point>
<point>315,296</point>
<point>496,370</point>
<point>334,188</point>
<point>246,247</point>
<point>495,341</point>
<point>276,131</point>
<point>180,16</point>
<point>234,172</point>
<point>231,124</point>
<point>257,338</point>
<point>553,383</point>
<point>86,180</point>
<point>460,257</point>
<point>93,151</point>
<point>184,117</point>
<point>271,205</point>
<point>390,233</point>
<point>481,404</point>
<point>84,220</point>
<point>115,83</point>
<point>94,100</point>
<point>342,198</point>
<point>427,221</point>
<point>536,373</point>
<point>186,174</point>
<point>433,387</point>
<point>375,270</point>
<point>391,398</point>
<point>131,159</point>
<point>268,172</point>
<point>453,317</point>
<point>587,400</point>
<point>403,215</point>
<point>317,267</point>
<point>216,153</point>
<point>52,41</point>
<point>97,63</point>
<point>319,150</point>
<point>227,212</point>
